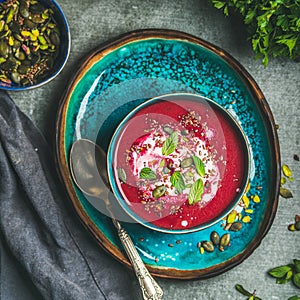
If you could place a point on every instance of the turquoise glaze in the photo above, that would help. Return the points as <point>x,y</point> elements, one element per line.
<point>146,68</point>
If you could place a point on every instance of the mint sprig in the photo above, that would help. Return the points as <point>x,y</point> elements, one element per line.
<point>196,192</point>
<point>273,29</point>
<point>170,144</point>
<point>148,174</point>
<point>199,165</point>
<point>294,298</point>
<point>283,274</point>
<point>177,181</point>
<point>286,273</point>
<point>279,272</point>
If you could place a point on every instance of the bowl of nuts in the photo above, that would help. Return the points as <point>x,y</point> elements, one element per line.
<point>34,43</point>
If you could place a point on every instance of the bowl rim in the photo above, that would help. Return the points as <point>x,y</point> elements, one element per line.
<point>115,138</point>
<point>51,3</point>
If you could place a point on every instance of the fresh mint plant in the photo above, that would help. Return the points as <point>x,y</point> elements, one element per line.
<point>284,274</point>
<point>273,26</point>
<point>199,165</point>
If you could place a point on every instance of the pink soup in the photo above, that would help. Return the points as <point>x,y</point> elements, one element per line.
<point>180,164</point>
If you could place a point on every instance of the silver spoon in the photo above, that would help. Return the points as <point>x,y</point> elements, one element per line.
<point>88,170</point>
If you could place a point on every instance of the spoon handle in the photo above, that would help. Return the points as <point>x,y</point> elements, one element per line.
<point>150,289</point>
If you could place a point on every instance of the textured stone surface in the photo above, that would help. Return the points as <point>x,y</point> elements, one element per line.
<point>94,22</point>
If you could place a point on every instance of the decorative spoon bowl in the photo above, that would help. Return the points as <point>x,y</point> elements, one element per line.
<point>87,162</point>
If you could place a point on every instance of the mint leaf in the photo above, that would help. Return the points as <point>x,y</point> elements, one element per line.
<point>177,181</point>
<point>282,280</point>
<point>250,296</point>
<point>170,144</point>
<point>296,280</point>
<point>294,298</point>
<point>297,265</point>
<point>249,16</point>
<point>279,272</point>
<point>289,275</point>
<point>147,173</point>
<point>218,4</point>
<point>199,165</point>
<point>273,29</point>
<point>196,192</point>
<point>241,289</point>
<point>289,42</point>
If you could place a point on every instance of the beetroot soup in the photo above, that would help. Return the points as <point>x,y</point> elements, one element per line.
<point>181,163</point>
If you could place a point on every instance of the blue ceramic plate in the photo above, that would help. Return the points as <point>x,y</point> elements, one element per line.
<point>123,73</point>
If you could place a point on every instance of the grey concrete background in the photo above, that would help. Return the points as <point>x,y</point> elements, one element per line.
<point>93,22</point>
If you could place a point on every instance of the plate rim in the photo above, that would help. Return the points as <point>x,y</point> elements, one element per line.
<point>62,166</point>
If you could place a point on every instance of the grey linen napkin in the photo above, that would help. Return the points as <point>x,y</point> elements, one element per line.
<point>40,235</point>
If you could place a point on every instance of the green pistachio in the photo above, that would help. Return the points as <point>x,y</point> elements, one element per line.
<point>159,191</point>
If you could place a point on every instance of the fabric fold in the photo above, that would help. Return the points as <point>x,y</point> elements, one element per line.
<point>39,228</point>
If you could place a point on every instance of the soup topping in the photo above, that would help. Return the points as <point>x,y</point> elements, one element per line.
<point>173,164</point>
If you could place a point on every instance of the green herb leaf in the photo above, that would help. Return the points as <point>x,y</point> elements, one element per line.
<point>297,265</point>
<point>177,181</point>
<point>296,280</point>
<point>241,289</point>
<point>199,166</point>
<point>289,275</point>
<point>290,43</point>
<point>294,298</point>
<point>279,272</point>
<point>282,280</point>
<point>273,29</point>
<point>147,173</point>
<point>226,10</point>
<point>249,16</point>
<point>196,192</point>
<point>170,144</point>
<point>218,4</point>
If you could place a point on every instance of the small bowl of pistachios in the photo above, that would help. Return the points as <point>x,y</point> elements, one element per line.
<point>34,43</point>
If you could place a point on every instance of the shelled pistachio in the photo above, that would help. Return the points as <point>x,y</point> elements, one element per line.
<point>29,41</point>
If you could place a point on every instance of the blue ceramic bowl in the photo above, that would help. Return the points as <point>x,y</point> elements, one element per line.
<point>64,50</point>
<point>230,196</point>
